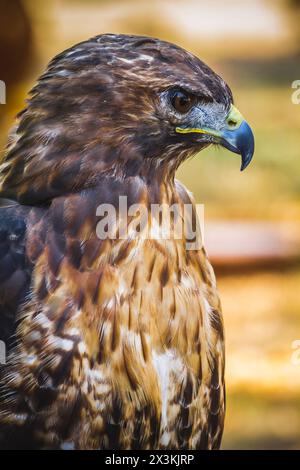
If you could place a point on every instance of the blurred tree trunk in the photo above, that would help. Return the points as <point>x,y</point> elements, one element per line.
<point>294,7</point>
<point>15,40</point>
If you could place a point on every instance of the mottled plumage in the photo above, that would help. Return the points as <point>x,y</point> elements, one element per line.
<point>116,343</point>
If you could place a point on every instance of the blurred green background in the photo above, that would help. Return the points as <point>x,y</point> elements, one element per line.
<point>252,218</point>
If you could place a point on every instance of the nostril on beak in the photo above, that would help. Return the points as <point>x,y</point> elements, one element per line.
<point>232,123</point>
<point>234,119</point>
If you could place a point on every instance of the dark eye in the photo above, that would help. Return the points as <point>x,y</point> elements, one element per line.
<point>182,101</point>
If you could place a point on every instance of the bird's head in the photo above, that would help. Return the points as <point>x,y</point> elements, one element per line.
<point>121,105</point>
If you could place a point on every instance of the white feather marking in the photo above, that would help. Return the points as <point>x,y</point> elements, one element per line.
<point>164,364</point>
<point>127,61</point>
<point>62,343</point>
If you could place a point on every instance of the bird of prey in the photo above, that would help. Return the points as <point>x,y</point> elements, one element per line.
<point>116,342</point>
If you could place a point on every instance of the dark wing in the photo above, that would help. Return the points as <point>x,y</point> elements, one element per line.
<point>15,267</point>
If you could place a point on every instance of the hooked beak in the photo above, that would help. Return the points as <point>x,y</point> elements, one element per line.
<point>236,136</point>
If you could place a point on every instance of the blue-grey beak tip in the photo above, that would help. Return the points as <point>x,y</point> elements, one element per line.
<point>245,144</point>
<point>241,141</point>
